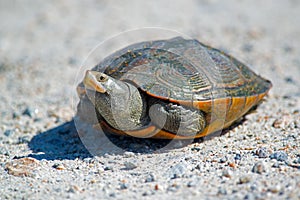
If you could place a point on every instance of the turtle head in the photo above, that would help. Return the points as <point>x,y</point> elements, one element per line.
<point>103,90</point>
<point>118,102</point>
<point>100,82</point>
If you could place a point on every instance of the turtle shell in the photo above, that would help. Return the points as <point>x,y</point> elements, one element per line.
<point>190,73</point>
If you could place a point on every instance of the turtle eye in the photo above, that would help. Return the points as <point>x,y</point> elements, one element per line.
<point>101,78</point>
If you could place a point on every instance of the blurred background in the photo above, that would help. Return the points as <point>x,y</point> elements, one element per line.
<point>42,44</point>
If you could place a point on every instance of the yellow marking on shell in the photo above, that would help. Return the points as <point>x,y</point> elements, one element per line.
<point>261,96</point>
<point>251,101</point>
<point>237,107</point>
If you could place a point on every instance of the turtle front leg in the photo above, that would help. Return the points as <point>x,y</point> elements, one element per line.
<point>177,119</point>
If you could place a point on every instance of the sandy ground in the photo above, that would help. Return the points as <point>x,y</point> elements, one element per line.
<point>43,45</point>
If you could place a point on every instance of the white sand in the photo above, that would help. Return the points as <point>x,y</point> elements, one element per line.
<point>42,46</point>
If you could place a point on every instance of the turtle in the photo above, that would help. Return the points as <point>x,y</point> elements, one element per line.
<point>169,89</point>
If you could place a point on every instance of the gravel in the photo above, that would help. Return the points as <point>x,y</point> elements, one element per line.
<point>259,167</point>
<point>8,133</point>
<point>279,155</point>
<point>129,165</point>
<point>262,152</point>
<point>45,153</point>
<point>150,178</point>
<point>176,171</point>
<point>30,112</point>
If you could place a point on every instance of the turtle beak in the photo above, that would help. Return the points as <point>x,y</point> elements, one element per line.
<point>90,82</point>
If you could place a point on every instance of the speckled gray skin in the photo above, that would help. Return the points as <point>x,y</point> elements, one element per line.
<point>121,105</point>
<point>42,45</point>
<point>177,119</point>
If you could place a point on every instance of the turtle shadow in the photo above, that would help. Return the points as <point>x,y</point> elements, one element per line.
<point>58,143</point>
<point>66,141</point>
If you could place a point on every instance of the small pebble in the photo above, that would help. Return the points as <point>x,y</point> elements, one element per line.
<point>15,115</point>
<point>297,161</point>
<point>231,164</point>
<point>8,133</point>
<point>72,61</point>
<point>222,191</point>
<point>276,165</point>
<point>244,179</point>
<point>259,168</point>
<point>274,189</point>
<point>23,139</point>
<point>192,183</point>
<point>226,173</point>
<point>279,156</point>
<point>74,189</point>
<point>262,152</point>
<point>129,165</point>
<point>106,168</point>
<point>173,188</point>
<point>283,122</point>
<point>128,154</point>
<point>247,47</point>
<point>100,170</point>
<point>59,166</point>
<point>150,178</point>
<point>237,156</point>
<point>4,151</point>
<point>22,167</point>
<point>289,80</point>
<point>249,196</point>
<point>148,193</point>
<point>124,186</point>
<point>58,190</point>
<point>196,149</point>
<point>199,167</point>
<point>88,160</point>
<point>234,190</point>
<point>93,181</point>
<point>223,160</point>
<point>30,112</point>
<point>113,194</point>
<point>177,171</point>
<point>253,187</point>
